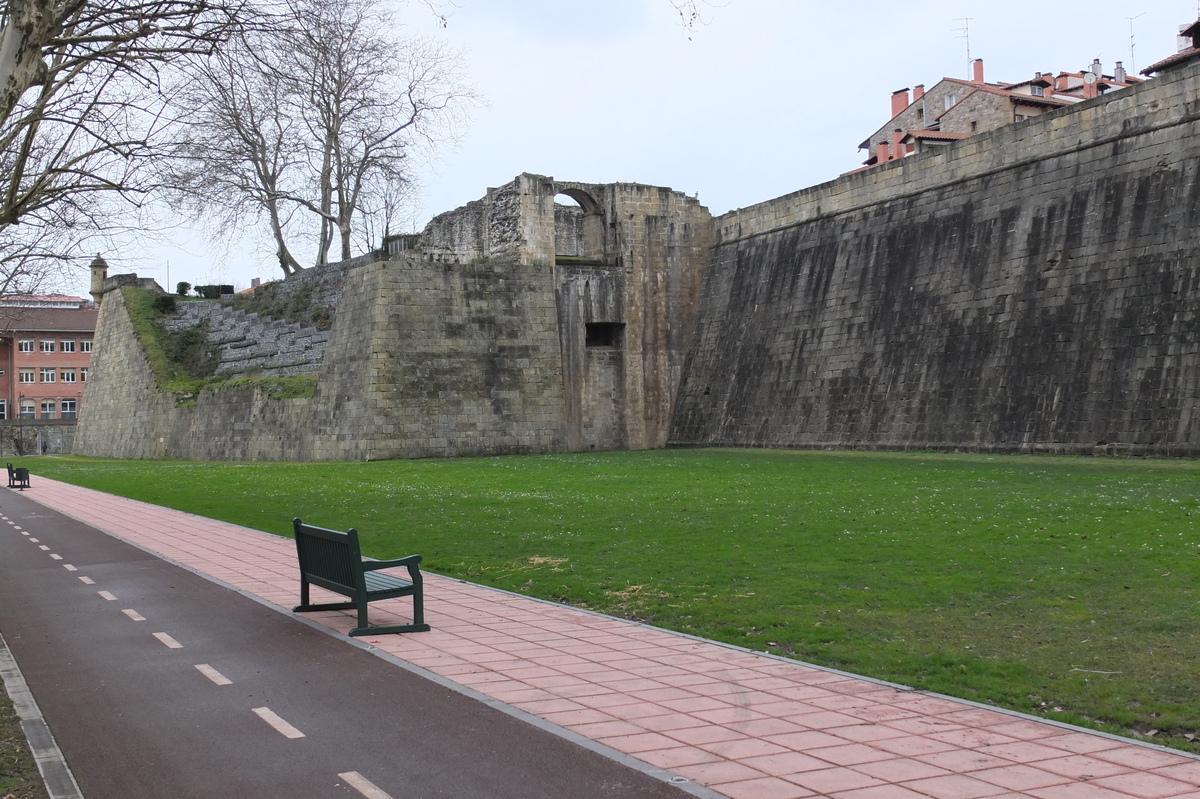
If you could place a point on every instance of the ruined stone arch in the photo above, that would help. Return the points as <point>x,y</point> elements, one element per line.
<point>578,228</point>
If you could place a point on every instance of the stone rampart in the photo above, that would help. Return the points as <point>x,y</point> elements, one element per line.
<point>457,360</point>
<point>1032,288</point>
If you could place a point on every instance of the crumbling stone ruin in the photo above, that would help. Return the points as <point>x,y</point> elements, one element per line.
<point>513,324</point>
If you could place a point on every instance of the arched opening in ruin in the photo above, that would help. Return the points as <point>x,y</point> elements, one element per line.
<point>578,226</point>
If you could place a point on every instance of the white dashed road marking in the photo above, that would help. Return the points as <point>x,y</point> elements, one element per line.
<point>212,674</point>
<point>168,640</point>
<point>363,785</point>
<point>281,726</point>
<point>43,547</point>
<point>56,557</point>
<point>107,595</point>
<point>84,580</point>
<point>133,614</point>
<point>71,568</point>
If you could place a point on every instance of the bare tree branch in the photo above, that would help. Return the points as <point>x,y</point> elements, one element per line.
<point>308,127</point>
<point>80,93</point>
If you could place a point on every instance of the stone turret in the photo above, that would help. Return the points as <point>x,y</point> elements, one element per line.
<point>99,269</point>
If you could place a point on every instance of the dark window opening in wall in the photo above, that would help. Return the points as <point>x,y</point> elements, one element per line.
<point>604,334</point>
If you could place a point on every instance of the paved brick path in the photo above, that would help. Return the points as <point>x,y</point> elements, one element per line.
<point>745,725</point>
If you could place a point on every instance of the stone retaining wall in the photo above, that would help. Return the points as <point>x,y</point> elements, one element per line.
<point>1032,288</point>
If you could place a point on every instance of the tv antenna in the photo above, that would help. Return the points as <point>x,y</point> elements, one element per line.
<point>965,33</point>
<point>1132,63</point>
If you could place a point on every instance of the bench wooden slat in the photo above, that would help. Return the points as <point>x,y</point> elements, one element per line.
<point>377,583</point>
<point>333,560</point>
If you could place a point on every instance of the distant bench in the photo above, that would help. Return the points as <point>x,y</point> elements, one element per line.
<point>332,559</point>
<point>18,477</point>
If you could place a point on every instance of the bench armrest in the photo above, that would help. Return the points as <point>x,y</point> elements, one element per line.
<point>411,562</point>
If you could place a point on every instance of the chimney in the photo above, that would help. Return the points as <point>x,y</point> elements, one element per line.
<point>1119,73</point>
<point>882,154</point>
<point>255,283</point>
<point>1096,69</point>
<point>918,91</point>
<point>977,64</point>
<point>1183,42</point>
<point>897,148</point>
<point>899,101</point>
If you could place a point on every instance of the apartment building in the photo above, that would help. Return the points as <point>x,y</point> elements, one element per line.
<point>45,349</point>
<point>955,109</point>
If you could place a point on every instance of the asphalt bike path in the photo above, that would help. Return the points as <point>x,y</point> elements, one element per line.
<point>159,683</point>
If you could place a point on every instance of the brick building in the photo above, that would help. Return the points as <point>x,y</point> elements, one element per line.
<point>45,349</point>
<point>955,109</point>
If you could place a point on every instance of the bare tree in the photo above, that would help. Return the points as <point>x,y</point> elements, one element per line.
<point>310,128</point>
<point>691,12</point>
<point>79,99</point>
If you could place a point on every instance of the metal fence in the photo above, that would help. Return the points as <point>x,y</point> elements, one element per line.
<point>36,437</point>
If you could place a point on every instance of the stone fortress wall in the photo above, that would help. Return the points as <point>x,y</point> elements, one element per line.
<point>480,337</point>
<point>1035,288</point>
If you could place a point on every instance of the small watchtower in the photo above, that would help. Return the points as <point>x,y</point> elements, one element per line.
<point>99,269</point>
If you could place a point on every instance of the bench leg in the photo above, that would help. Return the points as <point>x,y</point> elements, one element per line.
<point>418,625</point>
<point>392,628</point>
<point>306,602</point>
<point>326,606</point>
<point>419,610</point>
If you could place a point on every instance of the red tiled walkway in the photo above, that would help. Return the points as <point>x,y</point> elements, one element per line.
<point>746,725</point>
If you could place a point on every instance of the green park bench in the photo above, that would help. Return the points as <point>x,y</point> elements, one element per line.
<point>332,560</point>
<point>18,477</point>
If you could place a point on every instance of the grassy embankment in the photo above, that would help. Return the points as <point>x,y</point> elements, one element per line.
<point>1059,586</point>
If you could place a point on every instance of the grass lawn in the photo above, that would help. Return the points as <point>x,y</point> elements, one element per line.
<point>1064,587</point>
<point>19,777</point>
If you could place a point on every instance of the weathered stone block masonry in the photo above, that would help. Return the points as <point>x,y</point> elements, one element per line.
<point>1035,288</point>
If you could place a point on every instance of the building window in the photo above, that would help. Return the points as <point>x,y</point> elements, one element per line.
<point>68,409</point>
<point>47,345</point>
<point>3,409</point>
<point>48,409</point>
<point>1020,117</point>
<point>47,375</point>
<point>25,345</point>
<point>1038,91</point>
<point>85,346</point>
<point>26,376</point>
<point>27,407</point>
<point>951,101</point>
<point>67,345</point>
<point>67,375</point>
<point>603,334</point>
<point>83,375</point>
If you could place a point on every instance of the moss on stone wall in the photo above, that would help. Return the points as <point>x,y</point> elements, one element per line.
<point>299,306</point>
<point>185,361</point>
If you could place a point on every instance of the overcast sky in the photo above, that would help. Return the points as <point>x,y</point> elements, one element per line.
<point>768,97</point>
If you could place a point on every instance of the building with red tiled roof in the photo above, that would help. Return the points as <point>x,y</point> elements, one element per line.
<point>955,109</point>
<point>45,350</point>
<point>1189,51</point>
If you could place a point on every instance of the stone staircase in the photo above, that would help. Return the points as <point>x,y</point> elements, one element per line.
<point>251,344</point>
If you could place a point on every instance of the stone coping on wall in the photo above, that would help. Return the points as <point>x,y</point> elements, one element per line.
<point>1136,111</point>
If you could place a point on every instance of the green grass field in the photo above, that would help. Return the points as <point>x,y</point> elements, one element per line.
<point>19,777</point>
<point>1064,587</point>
